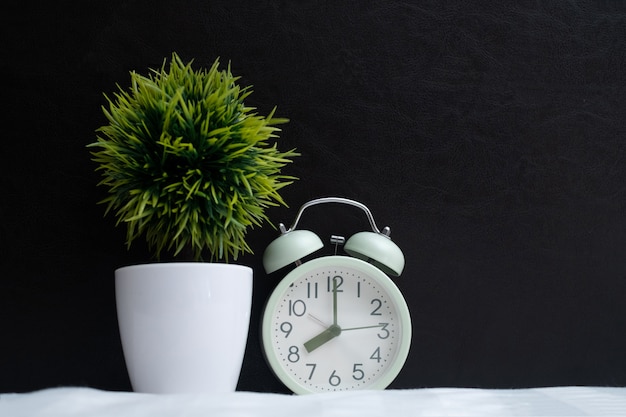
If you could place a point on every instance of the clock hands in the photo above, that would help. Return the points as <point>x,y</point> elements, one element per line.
<point>331,332</point>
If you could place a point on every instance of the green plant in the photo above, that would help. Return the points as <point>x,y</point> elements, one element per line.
<point>187,163</point>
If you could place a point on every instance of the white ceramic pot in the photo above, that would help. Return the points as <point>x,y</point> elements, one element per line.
<point>184,326</point>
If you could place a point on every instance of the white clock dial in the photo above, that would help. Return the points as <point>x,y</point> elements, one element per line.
<point>336,323</point>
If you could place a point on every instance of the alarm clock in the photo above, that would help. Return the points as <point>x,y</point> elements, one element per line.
<point>336,322</point>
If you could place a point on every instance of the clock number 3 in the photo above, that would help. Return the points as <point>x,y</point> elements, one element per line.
<point>384,333</point>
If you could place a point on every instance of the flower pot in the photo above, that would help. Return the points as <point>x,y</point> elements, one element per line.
<point>184,326</point>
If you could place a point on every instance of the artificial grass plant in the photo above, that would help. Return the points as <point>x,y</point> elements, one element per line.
<point>187,164</point>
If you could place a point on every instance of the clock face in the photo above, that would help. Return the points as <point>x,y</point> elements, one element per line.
<point>336,323</point>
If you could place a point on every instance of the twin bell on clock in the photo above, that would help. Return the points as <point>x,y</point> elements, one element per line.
<point>336,322</point>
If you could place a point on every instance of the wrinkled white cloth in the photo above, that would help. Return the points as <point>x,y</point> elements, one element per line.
<point>553,401</point>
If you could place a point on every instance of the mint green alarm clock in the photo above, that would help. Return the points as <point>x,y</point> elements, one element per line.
<point>336,323</point>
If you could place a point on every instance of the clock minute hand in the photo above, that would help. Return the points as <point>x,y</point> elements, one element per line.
<point>322,338</point>
<point>334,302</point>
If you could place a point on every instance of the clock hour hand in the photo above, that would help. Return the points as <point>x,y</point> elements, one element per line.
<point>326,336</point>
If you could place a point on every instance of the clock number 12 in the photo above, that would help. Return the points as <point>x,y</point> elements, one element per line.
<point>330,283</point>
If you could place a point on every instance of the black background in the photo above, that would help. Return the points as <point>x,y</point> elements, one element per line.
<point>490,136</point>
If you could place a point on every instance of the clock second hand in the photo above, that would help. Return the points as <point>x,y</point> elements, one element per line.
<point>363,327</point>
<point>330,333</point>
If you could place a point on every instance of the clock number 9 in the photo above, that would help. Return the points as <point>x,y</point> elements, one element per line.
<point>286,328</point>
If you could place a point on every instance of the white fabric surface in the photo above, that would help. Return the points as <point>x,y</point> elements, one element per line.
<point>556,401</point>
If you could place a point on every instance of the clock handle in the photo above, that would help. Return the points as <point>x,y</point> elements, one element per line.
<point>385,232</point>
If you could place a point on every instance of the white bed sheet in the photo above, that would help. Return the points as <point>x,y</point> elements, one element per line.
<point>87,402</point>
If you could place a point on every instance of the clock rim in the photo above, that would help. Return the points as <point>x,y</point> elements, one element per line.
<point>385,281</point>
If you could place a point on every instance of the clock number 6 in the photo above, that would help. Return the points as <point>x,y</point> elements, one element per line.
<point>334,379</point>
